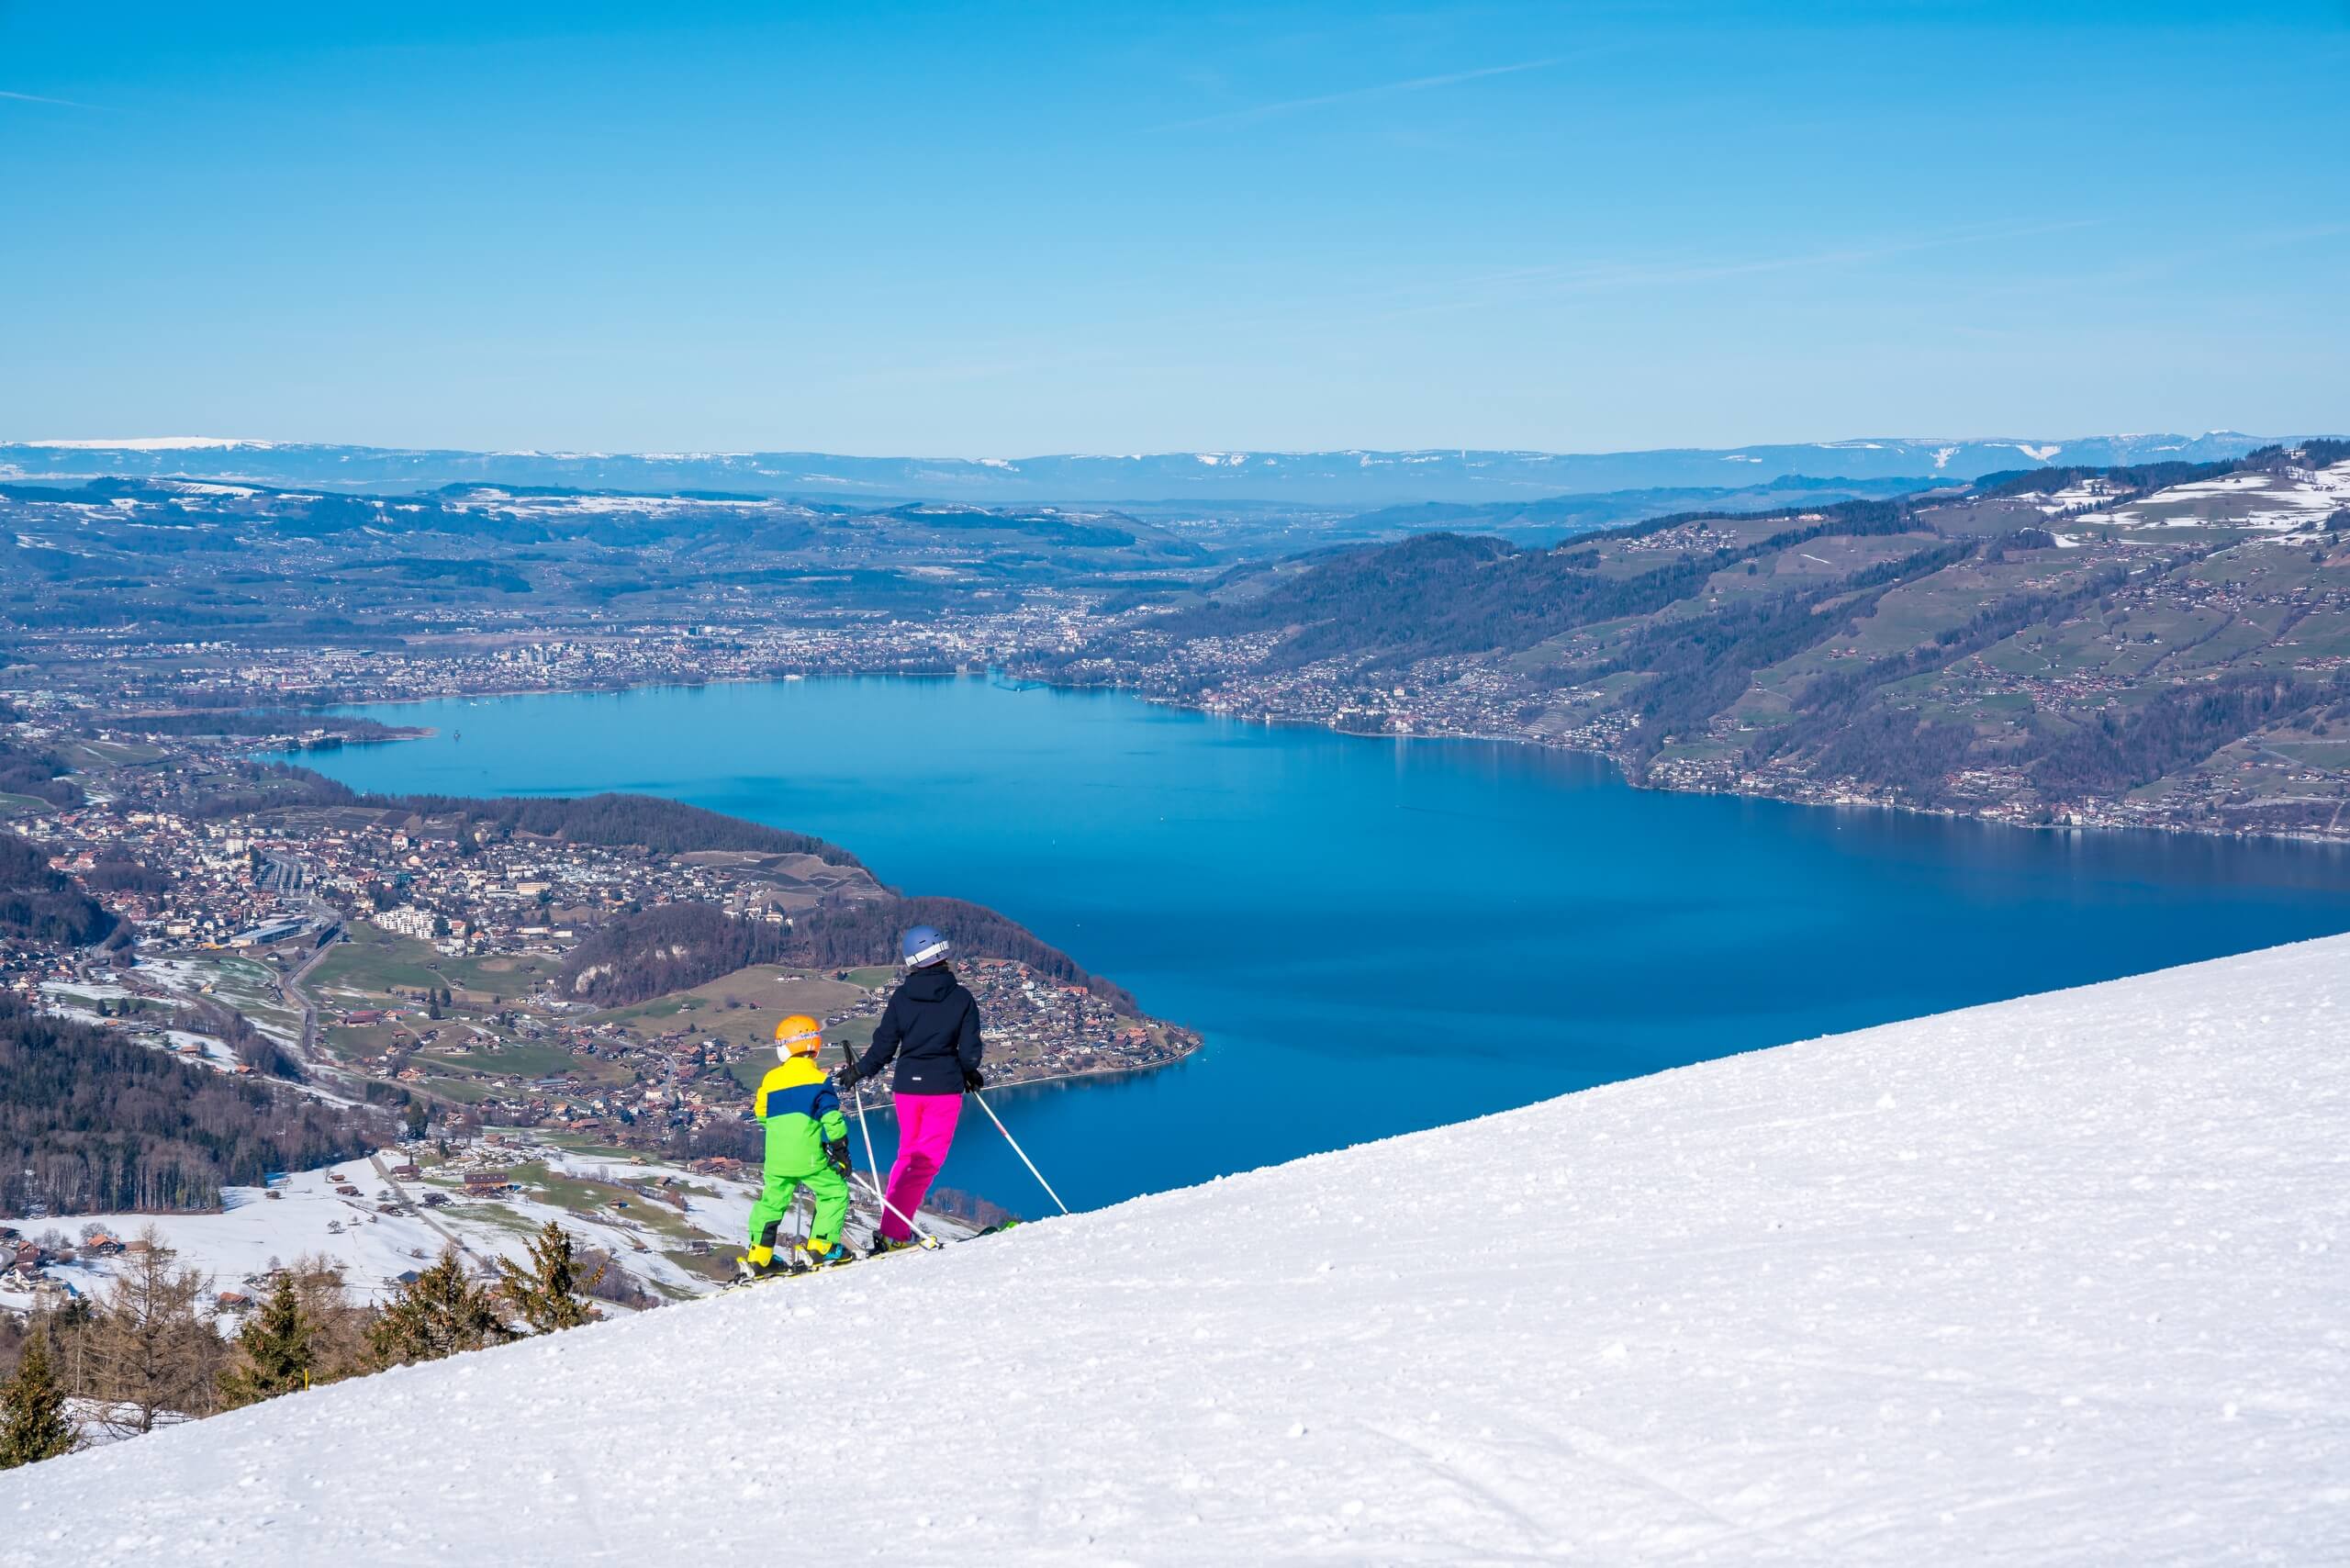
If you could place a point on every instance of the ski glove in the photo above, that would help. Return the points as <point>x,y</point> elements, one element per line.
<point>836,1154</point>
<point>973,1080</point>
<point>844,1076</point>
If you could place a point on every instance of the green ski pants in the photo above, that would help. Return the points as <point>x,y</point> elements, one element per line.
<point>826,1186</point>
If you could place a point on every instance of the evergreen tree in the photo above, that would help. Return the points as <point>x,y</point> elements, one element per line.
<point>338,1324</point>
<point>437,1314</point>
<point>277,1349</point>
<point>549,1293</point>
<point>32,1411</point>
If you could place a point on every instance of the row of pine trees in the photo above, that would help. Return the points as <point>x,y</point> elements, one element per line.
<point>146,1353</point>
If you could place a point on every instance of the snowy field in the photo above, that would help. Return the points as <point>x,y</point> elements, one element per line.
<point>309,1217</point>
<point>240,983</point>
<point>253,1234</point>
<point>2295,503</point>
<point>79,1000</point>
<point>2057,1281</point>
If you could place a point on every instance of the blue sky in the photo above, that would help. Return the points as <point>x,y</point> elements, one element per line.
<point>1010,230</point>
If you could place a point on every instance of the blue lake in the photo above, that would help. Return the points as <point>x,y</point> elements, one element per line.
<point>1375,935</point>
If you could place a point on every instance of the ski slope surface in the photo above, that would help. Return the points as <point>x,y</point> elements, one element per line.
<point>2061,1280</point>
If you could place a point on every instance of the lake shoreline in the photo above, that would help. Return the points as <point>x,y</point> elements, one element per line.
<point>1623,775</point>
<point>1083,1075</point>
<point>1987,816</point>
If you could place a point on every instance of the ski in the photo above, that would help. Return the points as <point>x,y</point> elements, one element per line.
<point>805,1271</point>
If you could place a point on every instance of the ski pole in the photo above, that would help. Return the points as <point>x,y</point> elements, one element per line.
<point>870,1163</point>
<point>922,1236</point>
<point>1018,1150</point>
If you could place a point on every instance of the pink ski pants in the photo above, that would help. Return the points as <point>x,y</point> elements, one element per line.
<point>925,1132</point>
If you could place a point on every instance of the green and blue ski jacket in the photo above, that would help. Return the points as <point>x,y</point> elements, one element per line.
<point>803,1113</point>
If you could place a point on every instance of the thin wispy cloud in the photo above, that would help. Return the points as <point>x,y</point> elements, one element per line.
<point>1385,89</point>
<point>2138,265</point>
<point>37,98</point>
<point>1518,285</point>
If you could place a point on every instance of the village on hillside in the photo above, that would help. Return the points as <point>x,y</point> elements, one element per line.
<point>417,968</point>
<point>407,949</point>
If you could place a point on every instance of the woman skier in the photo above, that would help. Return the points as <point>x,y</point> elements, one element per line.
<point>932,1026</point>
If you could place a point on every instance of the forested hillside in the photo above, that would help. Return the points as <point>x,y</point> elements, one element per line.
<point>647,822</point>
<point>41,906</point>
<point>92,1122</point>
<point>2166,644</point>
<point>676,946</point>
<point>868,934</point>
<point>36,771</point>
<point>620,821</point>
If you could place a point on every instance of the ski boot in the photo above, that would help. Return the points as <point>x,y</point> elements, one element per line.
<point>810,1258</point>
<point>747,1272</point>
<point>883,1245</point>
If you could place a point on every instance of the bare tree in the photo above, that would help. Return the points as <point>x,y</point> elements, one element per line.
<point>153,1355</point>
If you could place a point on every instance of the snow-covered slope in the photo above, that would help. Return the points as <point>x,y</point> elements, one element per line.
<point>2061,1279</point>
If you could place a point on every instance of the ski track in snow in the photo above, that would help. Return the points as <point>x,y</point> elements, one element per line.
<point>2054,1281</point>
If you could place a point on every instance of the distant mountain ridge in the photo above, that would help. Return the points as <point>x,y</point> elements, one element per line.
<point>1345,479</point>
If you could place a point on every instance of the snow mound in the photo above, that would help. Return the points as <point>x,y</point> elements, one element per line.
<point>2051,1280</point>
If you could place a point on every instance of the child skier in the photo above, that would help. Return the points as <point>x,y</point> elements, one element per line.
<point>932,1026</point>
<point>807,1147</point>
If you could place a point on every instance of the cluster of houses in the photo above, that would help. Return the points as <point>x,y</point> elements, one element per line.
<point>25,1281</point>
<point>218,893</point>
<point>518,654</point>
<point>24,1270</point>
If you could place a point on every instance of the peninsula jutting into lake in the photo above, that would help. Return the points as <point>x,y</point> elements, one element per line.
<point>1206,863</point>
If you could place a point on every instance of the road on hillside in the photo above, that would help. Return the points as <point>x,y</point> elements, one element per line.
<point>308,1048</point>
<point>399,1193</point>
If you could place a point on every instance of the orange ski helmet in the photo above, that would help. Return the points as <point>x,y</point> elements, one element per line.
<point>798,1035</point>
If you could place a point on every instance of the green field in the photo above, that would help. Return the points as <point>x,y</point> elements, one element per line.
<point>857,1034</point>
<point>376,963</point>
<point>354,1041</point>
<point>501,977</point>
<point>463,1090</point>
<point>533,1060</point>
<point>118,754</point>
<point>585,1196</point>
<point>581,1144</point>
<point>761,995</point>
<point>21,805</point>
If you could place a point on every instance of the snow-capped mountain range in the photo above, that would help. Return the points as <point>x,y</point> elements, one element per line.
<point>1358,478</point>
<point>2047,1281</point>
